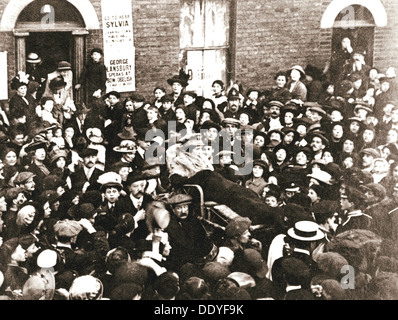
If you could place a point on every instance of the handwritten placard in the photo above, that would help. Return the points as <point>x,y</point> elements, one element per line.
<point>119,51</point>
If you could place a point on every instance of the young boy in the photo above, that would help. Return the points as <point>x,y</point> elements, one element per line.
<point>93,77</point>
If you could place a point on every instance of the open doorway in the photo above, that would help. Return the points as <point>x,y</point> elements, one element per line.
<point>52,47</point>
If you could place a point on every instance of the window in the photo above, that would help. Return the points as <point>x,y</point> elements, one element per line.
<point>204,42</point>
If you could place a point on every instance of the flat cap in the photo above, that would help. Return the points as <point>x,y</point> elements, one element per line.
<point>67,228</point>
<point>180,198</point>
<point>23,176</point>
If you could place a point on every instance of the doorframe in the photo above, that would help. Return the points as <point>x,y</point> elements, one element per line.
<point>79,39</point>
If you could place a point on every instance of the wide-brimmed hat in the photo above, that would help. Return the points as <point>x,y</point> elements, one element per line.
<point>181,78</point>
<point>33,58</point>
<point>321,176</point>
<point>57,83</point>
<point>128,133</point>
<point>306,231</point>
<point>21,79</point>
<point>54,156</point>
<point>126,146</point>
<point>36,145</point>
<point>94,135</point>
<point>362,105</point>
<point>39,286</point>
<point>88,152</point>
<point>298,68</point>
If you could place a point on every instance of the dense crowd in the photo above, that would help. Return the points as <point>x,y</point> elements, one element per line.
<point>281,193</point>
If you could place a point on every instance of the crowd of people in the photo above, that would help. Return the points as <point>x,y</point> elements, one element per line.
<point>98,199</point>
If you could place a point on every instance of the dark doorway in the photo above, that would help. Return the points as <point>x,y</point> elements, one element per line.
<point>52,47</point>
<point>363,36</point>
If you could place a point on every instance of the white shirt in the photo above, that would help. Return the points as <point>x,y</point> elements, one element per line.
<point>89,172</point>
<point>137,202</point>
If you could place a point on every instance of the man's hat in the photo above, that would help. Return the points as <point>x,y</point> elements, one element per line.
<point>57,83</point>
<point>166,98</point>
<point>180,198</point>
<point>317,108</point>
<point>237,226</point>
<point>23,176</point>
<point>64,65</point>
<point>190,93</point>
<point>306,231</point>
<point>94,135</point>
<point>135,176</point>
<point>377,189</point>
<point>321,176</point>
<point>33,58</point>
<point>67,228</point>
<point>319,134</point>
<point>275,103</point>
<point>360,50</point>
<point>128,133</point>
<point>137,97</point>
<point>210,124</point>
<point>231,121</point>
<point>362,105</point>
<point>125,146</point>
<point>233,94</point>
<point>110,179</point>
<point>371,151</point>
<point>39,286</point>
<point>290,107</point>
<point>12,193</point>
<point>88,152</point>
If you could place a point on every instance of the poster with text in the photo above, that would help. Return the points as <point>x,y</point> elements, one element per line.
<point>119,51</point>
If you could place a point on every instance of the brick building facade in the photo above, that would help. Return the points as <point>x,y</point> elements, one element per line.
<point>263,36</point>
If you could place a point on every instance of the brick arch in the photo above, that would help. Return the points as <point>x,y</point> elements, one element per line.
<point>374,6</point>
<point>15,7</point>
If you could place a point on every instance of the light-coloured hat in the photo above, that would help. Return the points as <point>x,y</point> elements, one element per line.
<point>321,176</point>
<point>298,68</point>
<point>39,286</point>
<point>47,259</point>
<point>126,146</point>
<point>110,179</point>
<point>306,231</point>
<point>94,135</point>
<point>33,58</point>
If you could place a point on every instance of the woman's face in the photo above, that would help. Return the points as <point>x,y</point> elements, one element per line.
<point>313,195</point>
<point>259,141</point>
<point>124,172</point>
<point>345,43</point>
<point>19,254</point>
<point>159,93</point>
<point>22,90</point>
<point>302,130</point>
<point>61,162</point>
<point>379,167</point>
<point>47,210</point>
<point>40,154</point>
<point>271,201</point>
<point>177,87</point>
<point>205,117</point>
<point>289,137</point>
<point>244,237</point>
<point>337,131</point>
<point>212,134</point>
<point>295,75</point>
<point>327,157</point>
<point>395,173</point>
<point>301,158</point>
<point>217,89</point>
<point>281,81</point>
<point>3,204</point>
<point>258,171</point>
<point>180,115</point>
<point>281,155</point>
<point>288,118</point>
<point>11,158</point>
<point>354,127</point>
<point>244,119</point>
<point>348,162</point>
<point>69,132</point>
<point>129,105</point>
<point>348,146</point>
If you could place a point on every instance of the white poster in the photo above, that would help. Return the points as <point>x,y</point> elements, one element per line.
<point>119,51</point>
<point>3,76</point>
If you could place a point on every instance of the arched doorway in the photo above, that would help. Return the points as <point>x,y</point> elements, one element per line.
<point>359,30</point>
<point>54,29</point>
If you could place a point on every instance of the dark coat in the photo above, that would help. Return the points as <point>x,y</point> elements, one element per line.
<point>79,178</point>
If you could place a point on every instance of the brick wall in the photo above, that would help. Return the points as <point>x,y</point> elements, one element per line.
<point>274,35</point>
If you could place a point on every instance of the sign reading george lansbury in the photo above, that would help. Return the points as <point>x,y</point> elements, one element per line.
<point>119,51</point>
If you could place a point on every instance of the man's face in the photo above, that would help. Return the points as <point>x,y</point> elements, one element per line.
<point>151,114</point>
<point>314,116</point>
<point>392,136</point>
<point>137,188</point>
<point>211,134</point>
<point>345,204</point>
<point>394,115</point>
<point>231,129</point>
<point>367,160</point>
<point>90,161</point>
<point>275,112</point>
<point>301,158</point>
<point>138,104</point>
<point>233,105</point>
<point>166,105</point>
<point>385,86</point>
<point>253,95</point>
<point>181,211</point>
<point>188,99</point>
<point>112,194</point>
<point>336,116</point>
<point>113,100</point>
<point>368,136</point>
<point>317,144</point>
<point>29,184</point>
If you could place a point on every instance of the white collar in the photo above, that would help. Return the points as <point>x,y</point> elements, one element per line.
<point>291,288</point>
<point>302,251</point>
